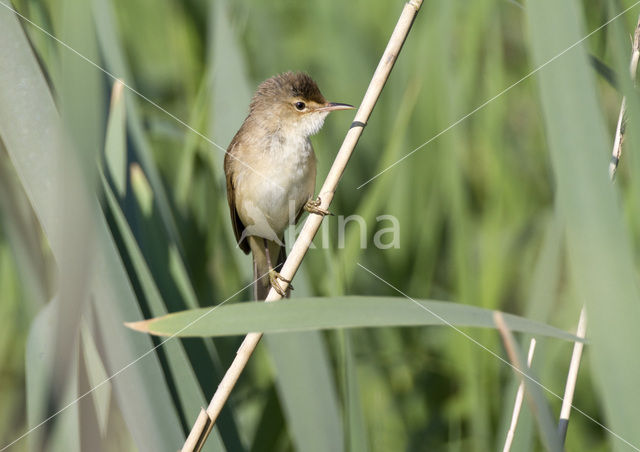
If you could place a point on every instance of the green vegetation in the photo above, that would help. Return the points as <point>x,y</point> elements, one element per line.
<point>113,210</point>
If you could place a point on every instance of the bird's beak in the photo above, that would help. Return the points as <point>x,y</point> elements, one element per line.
<point>333,106</point>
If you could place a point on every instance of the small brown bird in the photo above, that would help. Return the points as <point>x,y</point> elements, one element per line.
<point>271,170</point>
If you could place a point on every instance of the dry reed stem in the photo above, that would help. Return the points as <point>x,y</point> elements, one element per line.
<point>511,346</point>
<point>518,402</point>
<point>622,120</point>
<point>203,425</point>
<point>572,377</point>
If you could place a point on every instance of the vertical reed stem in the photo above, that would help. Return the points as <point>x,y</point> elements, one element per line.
<point>203,426</point>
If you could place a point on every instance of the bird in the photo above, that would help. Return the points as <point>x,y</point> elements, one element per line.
<point>270,169</point>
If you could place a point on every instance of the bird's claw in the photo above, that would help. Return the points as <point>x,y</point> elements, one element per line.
<point>313,206</point>
<point>274,276</point>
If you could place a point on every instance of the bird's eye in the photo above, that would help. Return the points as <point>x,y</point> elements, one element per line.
<point>299,106</point>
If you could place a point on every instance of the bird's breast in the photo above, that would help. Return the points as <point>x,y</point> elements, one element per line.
<point>272,199</point>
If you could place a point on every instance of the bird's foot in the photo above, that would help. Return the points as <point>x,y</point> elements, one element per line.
<point>274,276</point>
<point>313,206</point>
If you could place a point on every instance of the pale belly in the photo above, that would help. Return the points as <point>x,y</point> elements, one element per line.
<point>271,201</point>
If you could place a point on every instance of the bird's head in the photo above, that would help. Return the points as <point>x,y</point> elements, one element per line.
<point>292,103</point>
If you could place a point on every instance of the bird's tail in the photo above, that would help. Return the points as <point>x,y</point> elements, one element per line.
<point>277,254</point>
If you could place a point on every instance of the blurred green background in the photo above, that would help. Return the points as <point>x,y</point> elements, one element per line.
<point>510,209</point>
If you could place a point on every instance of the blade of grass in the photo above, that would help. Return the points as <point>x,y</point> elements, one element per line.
<point>357,440</point>
<point>541,296</point>
<point>12,343</point>
<point>108,39</point>
<point>96,373</point>
<point>180,371</point>
<point>301,362</point>
<point>171,280</point>
<point>115,148</point>
<point>271,425</point>
<point>230,94</point>
<point>304,380</point>
<point>89,425</point>
<point>189,393</point>
<point>22,231</point>
<point>63,434</point>
<point>370,204</point>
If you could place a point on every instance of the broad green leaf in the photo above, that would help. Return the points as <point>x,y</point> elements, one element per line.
<point>79,100</point>
<point>30,128</point>
<point>305,314</point>
<point>599,246</point>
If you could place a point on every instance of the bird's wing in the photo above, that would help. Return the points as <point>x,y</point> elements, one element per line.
<point>238,226</point>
